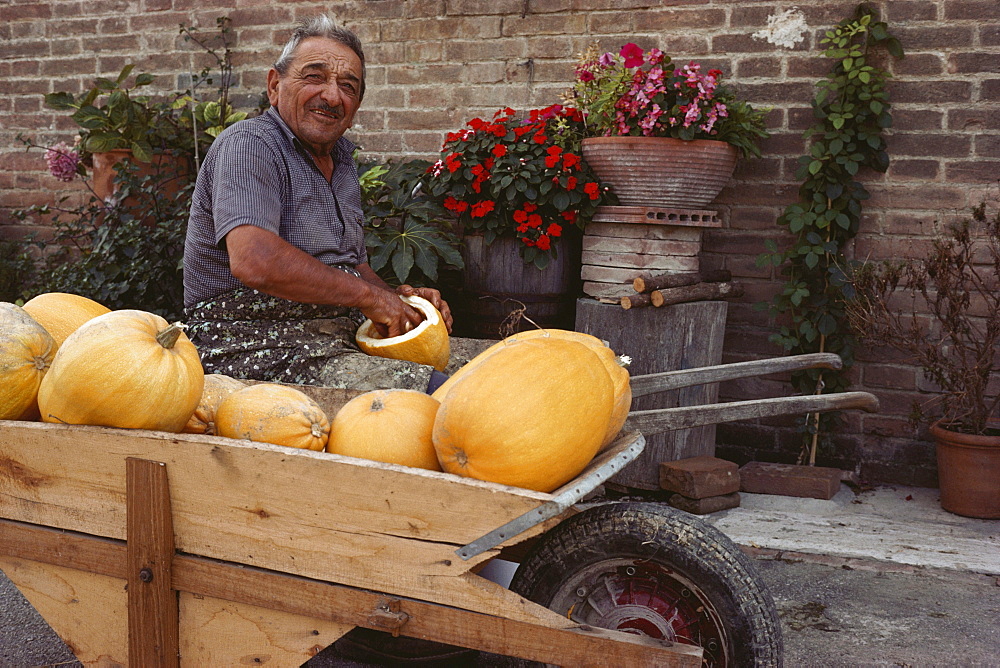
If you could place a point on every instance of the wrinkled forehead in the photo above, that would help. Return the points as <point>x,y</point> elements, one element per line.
<point>327,55</point>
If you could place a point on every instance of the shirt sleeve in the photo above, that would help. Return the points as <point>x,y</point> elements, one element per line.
<point>247,184</point>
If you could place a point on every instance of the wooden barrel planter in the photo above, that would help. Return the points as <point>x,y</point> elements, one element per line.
<point>497,285</point>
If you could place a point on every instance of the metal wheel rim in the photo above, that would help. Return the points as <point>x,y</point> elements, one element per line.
<point>644,597</point>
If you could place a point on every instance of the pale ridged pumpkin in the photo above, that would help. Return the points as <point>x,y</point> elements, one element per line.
<point>26,351</point>
<point>128,369</point>
<point>619,374</point>
<point>217,388</point>
<point>272,413</point>
<point>427,343</point>
<point>532,415</point>
<point>392,426</point>
<point>61,313</point>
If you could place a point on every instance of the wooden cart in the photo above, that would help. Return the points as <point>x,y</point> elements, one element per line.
<point>146,548</point>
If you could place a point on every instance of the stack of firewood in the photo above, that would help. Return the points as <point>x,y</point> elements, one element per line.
<point>679,288</point>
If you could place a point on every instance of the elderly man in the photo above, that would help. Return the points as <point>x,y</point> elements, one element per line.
<point>276,278</point>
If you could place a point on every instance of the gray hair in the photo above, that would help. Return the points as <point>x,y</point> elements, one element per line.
<point>321,26</point>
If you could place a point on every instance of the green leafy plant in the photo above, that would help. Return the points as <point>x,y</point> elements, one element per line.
<point>642,94</point>
<point>951,326</point>
<point>125,253</point>
<point>519,177</point>
<point>406,231</point>
<point>851,108</point>
<point>111,115</point>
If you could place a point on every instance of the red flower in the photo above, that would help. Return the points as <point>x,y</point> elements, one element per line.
<point>500,150</point>
<point>570,160</point>
<point>571,183</point>
<point>553,156</point>
<point>480,209</point>
<point>455,205</point>
<point>520,216</point>
<point>592,189</point>
<point>543,242</point>
<point>539,138</point>
<point>530,206</point>
<point>534,220</point>
<point>555,229</point>
<point>632,54</point>
<point>569,216</point>
<point>452,162</point>
<point>527,241</point>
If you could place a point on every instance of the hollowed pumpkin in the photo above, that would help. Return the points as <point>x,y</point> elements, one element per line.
<point>392,426</point>
<point>26,352</point>
<point>129,369</point>
<point>61,313</point>
<point>619,374</point>
<point>272,413</point>
<point>427,343</point>
<point>217,388</point>
<point>532,414</point>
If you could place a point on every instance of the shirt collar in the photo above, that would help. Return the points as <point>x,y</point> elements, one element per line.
<point>343,150</point>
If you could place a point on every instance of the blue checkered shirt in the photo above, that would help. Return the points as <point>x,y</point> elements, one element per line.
<point>258,173</point>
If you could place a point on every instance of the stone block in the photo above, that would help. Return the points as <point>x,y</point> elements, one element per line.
<point>700,477</point>
<point>814,482</point>
<point>711,504</point>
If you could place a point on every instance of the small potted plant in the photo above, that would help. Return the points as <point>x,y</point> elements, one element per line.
<point>661,134</point>
<point>950,326</point>
<point>522,195</point>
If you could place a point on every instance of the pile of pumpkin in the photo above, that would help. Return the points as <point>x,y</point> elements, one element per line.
<point>531,411</point>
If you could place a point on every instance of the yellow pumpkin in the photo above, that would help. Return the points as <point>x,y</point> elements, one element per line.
<point>26,351</point>
<point>128,369</point>
<point>217,388</point>
<point>61,313</point>
<point>427,343</point>
<point>272,413</point>
<point>619,374</point>
<point>532,414</point>
<point>392,426</point>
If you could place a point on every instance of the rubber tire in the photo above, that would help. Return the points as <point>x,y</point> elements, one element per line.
<point>671,538</point>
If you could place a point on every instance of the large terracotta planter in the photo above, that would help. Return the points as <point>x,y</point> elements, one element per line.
<point>661,171</point>
<point>496,283</point>
<point>968,472</point>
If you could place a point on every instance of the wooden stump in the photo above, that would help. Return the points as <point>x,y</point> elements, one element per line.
<point>681,336</point>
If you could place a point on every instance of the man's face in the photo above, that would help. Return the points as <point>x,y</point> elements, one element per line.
<point>320,93</point>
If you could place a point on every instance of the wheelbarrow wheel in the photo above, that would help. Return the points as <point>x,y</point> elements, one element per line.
<point>650,569</point>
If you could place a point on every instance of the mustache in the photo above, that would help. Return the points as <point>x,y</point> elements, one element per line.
<point>327,109</point>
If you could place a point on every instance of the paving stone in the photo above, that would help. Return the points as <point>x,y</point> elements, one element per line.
<point>710,504</point>
<point>700,477</point>
<point>815,482</point>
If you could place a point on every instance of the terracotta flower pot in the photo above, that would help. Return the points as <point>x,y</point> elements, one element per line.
<point>968,472</point>
<point>661,171</point>
<point>171,169</point>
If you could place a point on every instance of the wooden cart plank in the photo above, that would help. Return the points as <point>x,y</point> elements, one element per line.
<point>87,610</point>
<point>214,632</point>
<point>152,603</point>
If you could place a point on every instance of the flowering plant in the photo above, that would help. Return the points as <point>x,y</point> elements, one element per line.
<point>512,176</point>
<point>637,93</point>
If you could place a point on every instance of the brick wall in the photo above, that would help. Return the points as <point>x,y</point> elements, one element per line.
<point>435,63</point>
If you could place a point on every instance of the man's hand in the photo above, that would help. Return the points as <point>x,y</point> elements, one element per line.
<point>390,314</point>
<point>431,295</point>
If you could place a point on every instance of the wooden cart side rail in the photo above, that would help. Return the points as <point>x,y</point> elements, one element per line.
<point>569,645</point>
<point>672,380</point>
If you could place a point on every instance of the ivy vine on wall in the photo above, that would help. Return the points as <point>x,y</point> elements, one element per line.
<point>851,108</point>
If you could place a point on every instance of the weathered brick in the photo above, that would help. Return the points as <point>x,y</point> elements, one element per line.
<point>902,11</point>
<point>977,10</point>
<point>972,62</point>
<point>705,506</point>
<point>700,477</point>
<point>972,171</point>
<point>817,482</point>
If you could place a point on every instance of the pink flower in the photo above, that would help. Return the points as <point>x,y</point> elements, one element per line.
<point>606,59</point>
<point>62,161</point>
<point>632,54</point>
